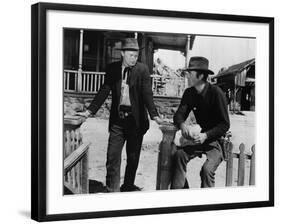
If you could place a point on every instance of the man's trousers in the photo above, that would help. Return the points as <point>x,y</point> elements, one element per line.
<point>183,156</point>
<point>121,131</point>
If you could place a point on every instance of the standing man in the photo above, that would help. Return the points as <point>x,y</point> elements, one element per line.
<point>129,83</point>
<point>209,106</point>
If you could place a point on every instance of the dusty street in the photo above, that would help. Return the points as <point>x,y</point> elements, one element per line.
<point>95,131</point>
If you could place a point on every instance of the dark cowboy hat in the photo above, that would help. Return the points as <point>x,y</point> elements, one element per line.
<point>130,44</point>
<point>199,64</point>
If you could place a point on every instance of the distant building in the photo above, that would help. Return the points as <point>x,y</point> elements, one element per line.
<point>238,82</point>
<point>166,81</point>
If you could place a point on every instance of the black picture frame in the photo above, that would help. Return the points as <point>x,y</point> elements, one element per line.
<point>39,110</point>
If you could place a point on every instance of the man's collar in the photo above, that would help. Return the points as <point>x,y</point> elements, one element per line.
<point>123,66</point>
<point>204,91</point>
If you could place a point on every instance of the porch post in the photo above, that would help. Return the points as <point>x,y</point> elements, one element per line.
<point>187,47</point>
<point>143,53</point>
<point>79,78</point>
<point>98,54</point>
<point>104,51</point>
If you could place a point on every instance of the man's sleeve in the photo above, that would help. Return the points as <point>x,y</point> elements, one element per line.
<point>182,111</point>
<point>222,116</point>
<point>101,95</point>
<point>148,95</point>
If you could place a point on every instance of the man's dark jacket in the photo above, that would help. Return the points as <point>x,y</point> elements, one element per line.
<point>140,92</point>
<point>209,108</point>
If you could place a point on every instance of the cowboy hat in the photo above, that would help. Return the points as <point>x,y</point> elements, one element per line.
<point>199,64</point>
<point>130,44</point>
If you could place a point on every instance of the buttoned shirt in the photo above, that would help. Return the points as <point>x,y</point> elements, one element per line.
<point>125,97</point>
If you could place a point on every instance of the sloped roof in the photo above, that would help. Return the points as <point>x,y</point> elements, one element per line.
<point>234,69</point>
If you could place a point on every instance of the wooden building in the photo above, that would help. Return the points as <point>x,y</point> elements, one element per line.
<point>238,82</point>
<point>87,52</point>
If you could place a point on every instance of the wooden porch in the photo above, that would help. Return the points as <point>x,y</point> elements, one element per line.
<point>87,52</point>
<point>88,82</point>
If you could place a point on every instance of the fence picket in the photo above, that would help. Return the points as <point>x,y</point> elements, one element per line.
<point>96,86</point>
<point>92,80</point>
<point>64,82</point>
<point>229,164</point>
<point>72,136</point>
<point>77,168</point>
<point>84,82</point>
<point>241,165</point>
<point>67,150</point>
<point>88,82</point>
<point>252,166</point>
<point>68,78</point>
<point>98,82</point>
<point>84,174</point>
<point>102,76</point>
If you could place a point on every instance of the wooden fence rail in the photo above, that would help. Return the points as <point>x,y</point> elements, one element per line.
<point>242,157</point>
<point>75,163</point>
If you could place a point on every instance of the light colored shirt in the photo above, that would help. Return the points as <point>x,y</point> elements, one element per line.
<point>125,97</point>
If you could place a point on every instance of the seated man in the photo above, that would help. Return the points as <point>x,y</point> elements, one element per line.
<point>209,106</point>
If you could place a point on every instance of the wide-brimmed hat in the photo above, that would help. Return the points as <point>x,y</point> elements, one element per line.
<point>199,64</point>
<point>130,44</point>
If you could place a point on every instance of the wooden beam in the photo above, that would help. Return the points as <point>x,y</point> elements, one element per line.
<point>168,47</point>
<point>75,156</point>
<point>192,38</point>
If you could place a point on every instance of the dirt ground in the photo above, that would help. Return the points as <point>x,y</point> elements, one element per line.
<point>95,131</point>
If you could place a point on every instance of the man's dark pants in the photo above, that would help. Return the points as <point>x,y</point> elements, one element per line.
<point>183,156</point>
<point>121,131</point>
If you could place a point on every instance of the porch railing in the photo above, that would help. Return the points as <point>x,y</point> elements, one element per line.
<point>90,82</point>
<point>83,82</point>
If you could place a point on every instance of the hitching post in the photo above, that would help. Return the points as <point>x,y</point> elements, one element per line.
<point>166,151</point>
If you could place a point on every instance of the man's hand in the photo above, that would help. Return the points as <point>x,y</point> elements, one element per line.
<point>200,138</point>
<point>184,131</point>
<point>158,120</point>
<point>86,113</point>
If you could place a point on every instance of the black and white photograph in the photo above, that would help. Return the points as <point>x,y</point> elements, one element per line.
<point>141,112</point>
<point>181,117</point>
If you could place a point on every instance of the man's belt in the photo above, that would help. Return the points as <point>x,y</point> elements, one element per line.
<point>125,111</point>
